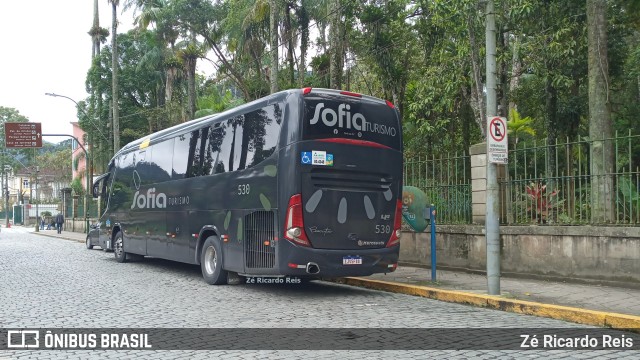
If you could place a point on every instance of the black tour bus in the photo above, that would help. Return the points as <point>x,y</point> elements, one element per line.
<point>302,183</point>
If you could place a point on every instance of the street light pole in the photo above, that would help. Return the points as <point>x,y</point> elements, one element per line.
<point>83,113</point>
<point>86,155</point>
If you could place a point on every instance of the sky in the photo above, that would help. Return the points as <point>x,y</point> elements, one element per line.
<point>45,48</point>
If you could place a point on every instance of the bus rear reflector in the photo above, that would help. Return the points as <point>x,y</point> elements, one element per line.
<point>294,223</point>
<point>349,93</point>
<point>306,90</point>
<point>354,142</point>
<point>395,234</point>
<point>296,266</point>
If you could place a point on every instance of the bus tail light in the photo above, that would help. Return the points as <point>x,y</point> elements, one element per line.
<point>395,234</point>
<point>294,224</point>
<point>355,142</point>
<point>390,104</point>
<point>306,90</point>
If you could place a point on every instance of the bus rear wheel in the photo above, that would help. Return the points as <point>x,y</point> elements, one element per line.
<point>211,262</point>
<point>118,248</point>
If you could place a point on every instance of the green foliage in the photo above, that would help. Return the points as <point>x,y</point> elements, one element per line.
<point>540,204</point>
<point>518,126</point>
<point>76,186</point>
<point>421,55</point>
<point>628,201</point>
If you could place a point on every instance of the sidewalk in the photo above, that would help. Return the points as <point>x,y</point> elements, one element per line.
<point>589,304</point>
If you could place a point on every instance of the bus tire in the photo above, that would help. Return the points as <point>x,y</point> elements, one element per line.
<point>211,262</point>
<point>88,243</point>
<point>118,248</point>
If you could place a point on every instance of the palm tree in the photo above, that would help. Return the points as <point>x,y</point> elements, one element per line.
<point>273,10</point>
<point>156,12</point>
<point>114,74</point>
<point>98,36</point>
<point>190,53</point>
<point>518,126</point>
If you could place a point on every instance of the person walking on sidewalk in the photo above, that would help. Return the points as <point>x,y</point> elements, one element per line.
<point>59,222</point>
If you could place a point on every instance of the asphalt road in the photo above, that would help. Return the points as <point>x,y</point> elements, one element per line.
<point>53,283</point>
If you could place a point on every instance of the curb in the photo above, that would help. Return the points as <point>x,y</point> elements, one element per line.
<point>58,237</point>
<point>566,313</point>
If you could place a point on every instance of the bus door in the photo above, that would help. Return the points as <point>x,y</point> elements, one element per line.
<point>351,171</point>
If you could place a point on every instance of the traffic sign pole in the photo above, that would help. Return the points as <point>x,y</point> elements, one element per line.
<point>492,225</point>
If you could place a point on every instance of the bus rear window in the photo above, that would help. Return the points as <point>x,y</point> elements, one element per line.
<point>351,118</point>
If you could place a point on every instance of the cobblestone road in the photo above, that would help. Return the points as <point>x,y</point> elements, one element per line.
<point>47,282</point>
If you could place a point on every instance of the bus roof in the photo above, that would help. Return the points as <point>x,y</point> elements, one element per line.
<point>197,123</point>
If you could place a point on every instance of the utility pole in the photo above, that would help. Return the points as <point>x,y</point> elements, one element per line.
<point>492,225</point>
<point>37,197</point>
<point>6,194</point>
<point>5,188</point>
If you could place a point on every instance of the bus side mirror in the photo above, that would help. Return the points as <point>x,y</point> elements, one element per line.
<point>96,190</point>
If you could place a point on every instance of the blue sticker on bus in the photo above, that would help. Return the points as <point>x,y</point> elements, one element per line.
<point>305,157</point>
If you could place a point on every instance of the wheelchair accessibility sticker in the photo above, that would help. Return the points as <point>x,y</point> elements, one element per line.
<point>316,158</point>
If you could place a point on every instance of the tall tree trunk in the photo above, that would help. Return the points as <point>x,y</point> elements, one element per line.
<point>289,39</point>
<point>95,51</point>
<point>503,98</point>
<point>516,69</point>
<point>551,123</point>
<point>335,42</point>
<point>114,76</point>
<point>191,83</point>
<point>599,114</point>
<point>477,94</point>
<point>95,33</point>
<point>171,76</point>
<point>274,45</point>
<point>303,18</point>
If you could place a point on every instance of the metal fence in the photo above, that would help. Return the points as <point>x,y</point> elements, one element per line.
<point>447,182</point>
<point>542,184</point>
<point>556,184</point>
<point>75,206</point>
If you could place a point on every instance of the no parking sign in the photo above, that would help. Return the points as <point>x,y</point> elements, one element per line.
<point>497,146</point>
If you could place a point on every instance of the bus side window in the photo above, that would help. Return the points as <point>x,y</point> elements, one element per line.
<point>181,157</point>
<point>214,142</point>
<point>263,127</point>
<point>159,168</point>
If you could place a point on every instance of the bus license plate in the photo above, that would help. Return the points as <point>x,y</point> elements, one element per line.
<point>352,260</point>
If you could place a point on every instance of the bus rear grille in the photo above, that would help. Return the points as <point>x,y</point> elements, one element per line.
<point>350,180</point>
<point>259,232</point>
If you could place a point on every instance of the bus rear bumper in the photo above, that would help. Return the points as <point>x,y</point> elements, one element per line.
<point>300,261</point>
